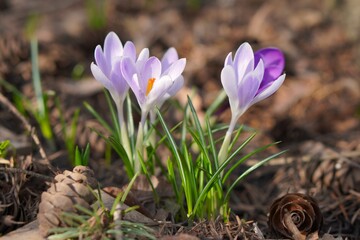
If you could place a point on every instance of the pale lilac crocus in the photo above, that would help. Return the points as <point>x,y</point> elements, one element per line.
<point>151,80</point>
<point>167,60</point>
<point>106,70</point>
<point>248,79</point>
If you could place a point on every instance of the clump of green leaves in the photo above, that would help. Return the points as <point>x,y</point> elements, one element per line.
<point>115,138</point>
<point>198,177</point>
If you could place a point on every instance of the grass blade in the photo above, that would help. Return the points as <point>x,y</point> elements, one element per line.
<point>249,170</point>
<point>98,117</point>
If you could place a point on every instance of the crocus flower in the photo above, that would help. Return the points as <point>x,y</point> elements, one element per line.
<point>107,68</point>
<point>248,79</point>
<point>153,81</point>
<point>107,71</point>
<point>169,58</point>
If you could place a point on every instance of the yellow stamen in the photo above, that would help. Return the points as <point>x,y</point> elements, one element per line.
<point>149,85</point>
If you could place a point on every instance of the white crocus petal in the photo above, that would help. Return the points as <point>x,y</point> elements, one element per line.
<point>229,82</point>
<point>100,76</point>
<point>243,60</point>
<point>112,47</point>
<point>270,90</point>
<point>228,60</point>
<point>143,55</point>
<point>160,87</point>
<point>178,84</point>
<point>176,69</point>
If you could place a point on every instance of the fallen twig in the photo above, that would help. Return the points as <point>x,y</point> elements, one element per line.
<point>34,174</point>
<point>27,126</point>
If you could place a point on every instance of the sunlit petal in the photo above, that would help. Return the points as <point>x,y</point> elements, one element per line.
<point>243,60</point>
<point>176,69</point>
<point>100,76</point>
<point>112,47</point>
<point>130,51</point>
<point>229,82</point>
<point>270,90</point>
<point>169,57</point>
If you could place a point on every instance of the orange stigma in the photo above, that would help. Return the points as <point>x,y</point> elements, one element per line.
<point>149,85</point>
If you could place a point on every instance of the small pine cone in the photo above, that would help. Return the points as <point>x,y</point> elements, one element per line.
<point>69,189</point>
<point>295,216</point>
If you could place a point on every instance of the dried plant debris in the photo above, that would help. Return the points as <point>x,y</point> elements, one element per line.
<point>20,189</point>
<point>212,229</point>
<point>295,216</point>
<point>69,189</point>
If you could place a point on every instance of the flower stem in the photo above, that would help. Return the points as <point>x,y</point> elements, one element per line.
<point>152,137</point>
<point>226,143</point>
<point>139,147</point>
<point>124,136</point>
<point>224,148</point>
<point>139,143</point>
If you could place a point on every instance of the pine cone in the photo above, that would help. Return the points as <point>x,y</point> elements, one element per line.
<point>295,216</point>
<point>69,189</point>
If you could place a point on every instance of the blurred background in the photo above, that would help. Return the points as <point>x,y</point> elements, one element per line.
<point>317,108</point>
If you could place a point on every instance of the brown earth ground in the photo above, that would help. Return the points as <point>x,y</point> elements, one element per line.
<point>315,114</point>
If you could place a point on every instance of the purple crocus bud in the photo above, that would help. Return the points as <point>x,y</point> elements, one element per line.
<point>106,68</point>
<point>274,63</point>
<point>250,78</point>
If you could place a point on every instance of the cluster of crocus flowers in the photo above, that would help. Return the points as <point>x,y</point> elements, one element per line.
<point>151,80</point>
<point>248,79</point>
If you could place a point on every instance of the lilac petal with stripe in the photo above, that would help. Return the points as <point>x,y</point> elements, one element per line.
<point>100,76</point>
<point>270,90</point>
<point>112,47</point>
<point>176,69</point>
<point>244,60</point>
<point>169,57</point>
<point>130,50</point>
<point>101,61</point>
<point>152,69</point>
<point>250,86</point>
